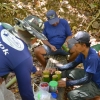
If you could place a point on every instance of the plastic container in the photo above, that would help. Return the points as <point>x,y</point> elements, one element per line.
<point>44,86</point>
<point>53,86</point>
<point>54,95</point>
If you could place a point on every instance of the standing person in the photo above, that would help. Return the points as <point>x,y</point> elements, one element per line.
<point>89,77</point>
<point>57,31</point>
<point>15,56</point>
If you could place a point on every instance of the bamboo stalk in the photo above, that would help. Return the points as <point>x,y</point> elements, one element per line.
<point>11,82</point>
<point>65,48</point>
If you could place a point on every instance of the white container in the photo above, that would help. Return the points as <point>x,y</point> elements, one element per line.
<point>44,86</point>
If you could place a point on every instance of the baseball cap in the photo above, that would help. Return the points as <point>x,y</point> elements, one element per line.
<point>80,37</point>
<point>52,17</point>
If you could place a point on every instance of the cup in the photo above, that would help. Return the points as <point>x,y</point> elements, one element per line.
<point>45,78</point>
<point>58,73</point>
<point>54,78</point>
<point>46,72</point>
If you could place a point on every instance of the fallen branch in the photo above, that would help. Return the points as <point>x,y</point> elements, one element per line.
<point>93,20</point>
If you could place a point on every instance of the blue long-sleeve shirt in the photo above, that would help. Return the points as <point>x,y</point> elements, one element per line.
<point>87,77</point>
<point>15,56</point>
<point>91,68</point>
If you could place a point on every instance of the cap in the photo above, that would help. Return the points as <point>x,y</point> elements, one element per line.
<point>80,37</point>
<point>52,17</point>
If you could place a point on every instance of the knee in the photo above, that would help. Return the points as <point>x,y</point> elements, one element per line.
<point>37,50</point>
<point>72,95</point>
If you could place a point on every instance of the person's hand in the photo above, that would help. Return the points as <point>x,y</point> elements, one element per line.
<point>61,83</point>
<point>38,73</point>
<point>99,53</point>
<point>51,70</point>
<point>53,48</point>
<point>60,67</point>
<point>74,87</point>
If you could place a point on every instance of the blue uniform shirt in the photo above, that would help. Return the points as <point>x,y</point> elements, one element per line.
<point>91,64</point>
<point>57,34</point>
<point>13,51</point>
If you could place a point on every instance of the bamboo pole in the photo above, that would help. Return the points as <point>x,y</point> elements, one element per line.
<point>11,82</point>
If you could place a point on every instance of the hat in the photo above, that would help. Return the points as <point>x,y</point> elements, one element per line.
<point>80,37</point>
<point>7,26</point>
<point>52,17</point>
<point>33,24</point>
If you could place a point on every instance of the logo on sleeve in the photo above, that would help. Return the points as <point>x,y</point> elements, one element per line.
<point>11,40</point>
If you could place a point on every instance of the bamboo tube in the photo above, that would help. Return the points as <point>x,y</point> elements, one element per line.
<point>46,78</point>
<point>54,78</point>
<point>46,72</point>
<point>58,73</point>
<point>11,82</point>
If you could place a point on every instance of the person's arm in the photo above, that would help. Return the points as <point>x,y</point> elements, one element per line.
<point>46,42</point>
<point>68,30</point>
<point>84,80</point>
<point>34,70</point>
<point>70,65</point>
<point>69,37</point>
<point>53,48</point>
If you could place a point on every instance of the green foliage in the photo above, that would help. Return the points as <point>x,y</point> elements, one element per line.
<point>78,12</point>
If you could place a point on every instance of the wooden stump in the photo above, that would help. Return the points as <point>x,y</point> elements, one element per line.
<point>52,61</point>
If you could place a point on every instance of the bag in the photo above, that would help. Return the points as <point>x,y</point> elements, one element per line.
<point>42,94</point>
<point>6,94</point>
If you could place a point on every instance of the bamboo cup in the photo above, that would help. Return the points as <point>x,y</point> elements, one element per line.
<point>46,78</point>
<point>46,72</point>
<point>58,73</point>
<point>54,78</point>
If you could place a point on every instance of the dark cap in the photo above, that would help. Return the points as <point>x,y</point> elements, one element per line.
<point>80,37</point>
<point>52,17</point>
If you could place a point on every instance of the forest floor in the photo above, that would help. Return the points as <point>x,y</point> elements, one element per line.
<point>14,87</point>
